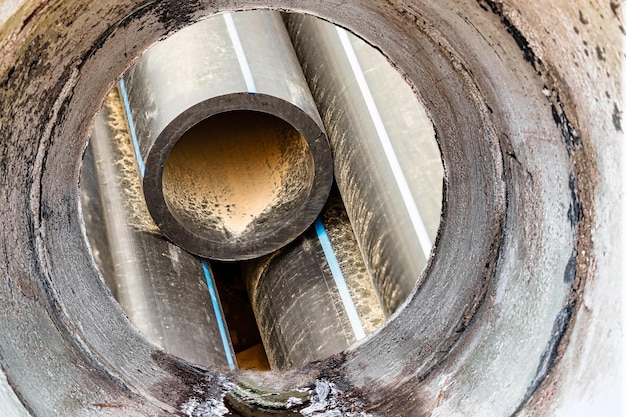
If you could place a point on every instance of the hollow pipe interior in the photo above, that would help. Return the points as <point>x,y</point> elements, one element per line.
<point>234,168</point>
<point>235,72</point>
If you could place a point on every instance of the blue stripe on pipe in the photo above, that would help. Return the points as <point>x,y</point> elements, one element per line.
<point>218,315</point>
<point>340,282</point>
<point>131,126</point>
<point>205,268</point>
<point>241,55</point>
<point>385,141</point>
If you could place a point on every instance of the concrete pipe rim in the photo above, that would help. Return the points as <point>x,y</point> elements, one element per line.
<point>63,293</point>
<point>266,234</point>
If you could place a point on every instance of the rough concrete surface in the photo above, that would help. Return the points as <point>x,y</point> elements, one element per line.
<point>519,311</point>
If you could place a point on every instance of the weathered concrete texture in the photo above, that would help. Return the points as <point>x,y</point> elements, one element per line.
<point>584,42</point>
<point>517,316</point>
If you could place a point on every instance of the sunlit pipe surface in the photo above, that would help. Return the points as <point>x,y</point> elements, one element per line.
<point>387,163</point>
<point>315,297</point>
<point>162,288</point>
<point>250,183</point>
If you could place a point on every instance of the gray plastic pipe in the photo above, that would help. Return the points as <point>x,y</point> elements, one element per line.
<point>519,312</point>
<point>387,163</point>
<point>235,159</point>
<point>166,292</point>
<point>315,297</point>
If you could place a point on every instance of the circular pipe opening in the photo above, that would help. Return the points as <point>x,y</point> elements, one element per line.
<point>238,63</point>
<point>235,171</point>
<point>403,362</point>
<point>226,170</point>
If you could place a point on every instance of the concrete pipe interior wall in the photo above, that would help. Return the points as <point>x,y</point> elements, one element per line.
<point>519,311</point>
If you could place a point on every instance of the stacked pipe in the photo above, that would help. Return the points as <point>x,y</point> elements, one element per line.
<point>315,297</point>
<point>164,290</point>
<point>303,312</point>
<point>235,165</point>
<point>520,298</point>
<point>236,160</point>
<point>386,162</point>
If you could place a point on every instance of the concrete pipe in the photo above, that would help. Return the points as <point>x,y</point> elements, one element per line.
<point>315,297</point>
<point>234,152</point>
<point>518,311</point>
<point>386,161</point>
<point>165,292</point>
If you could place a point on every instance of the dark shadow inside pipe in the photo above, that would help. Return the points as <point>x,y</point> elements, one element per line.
<point>237,170</point>
<point>230,281</point>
